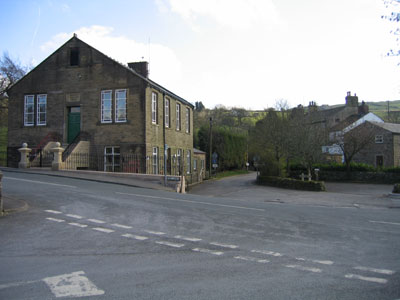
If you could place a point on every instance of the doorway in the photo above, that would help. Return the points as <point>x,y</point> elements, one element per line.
<point>74,122</point>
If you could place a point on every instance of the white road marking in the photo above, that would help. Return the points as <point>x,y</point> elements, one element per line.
<point>253,259</point>
<point>224,245</point>
<point>382,222</point>
<point>371,279</point>
<point>136,237</point>
<point>202,250</point>
<point>96,221</point>
<point>267,252</point>
<point>41,182</point>
<point>74,216</point>
<point>185,238</point>
<point>14,284</point>
<point>380,271</point>
<point>78,225</point>
<point>103,229</point>
<point>154,232</point>
<point>175,245</point>
<point>55,220</point>
<point>72,285</point>
<point>121,226</point>
<point>56,212</point>
<point>298,267</point>
<point>191,201</point>
<point>322,262</point>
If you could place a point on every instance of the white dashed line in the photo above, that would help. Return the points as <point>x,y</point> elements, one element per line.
<point>202,250</point>
<point>121,226</point>
<point>189,239</point>
<point>136,237</point>
<point>74,216</point>
<point>96,221</point>
<point>78,225</point>
<point>370,279</point>
<point>56,212</point>
<point>103,229</point>
<point>267,252</point>
<point>380,271</point>
<point>170,244</point>
<point>154,232</point>
<point>55,220</point>
<point>253,259</point>
<point>322,262</point>
<point>298,267</point>
<point>224,245</point>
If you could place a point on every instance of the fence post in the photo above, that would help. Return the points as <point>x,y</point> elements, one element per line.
<point>1,199</point>
<point>57,161</point>
<point>24,162</point>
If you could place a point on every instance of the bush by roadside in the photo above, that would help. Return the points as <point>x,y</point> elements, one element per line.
<point>289,183</point>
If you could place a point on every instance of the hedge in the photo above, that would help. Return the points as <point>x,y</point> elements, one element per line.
<point>336,167</point>
<point>289,183</point>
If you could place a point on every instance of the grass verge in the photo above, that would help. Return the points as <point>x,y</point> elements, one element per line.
<point>230,173</point>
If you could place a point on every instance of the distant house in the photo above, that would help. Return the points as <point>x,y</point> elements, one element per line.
<point>328,118</point>
<point>384,151</point>
<point>79,95</point>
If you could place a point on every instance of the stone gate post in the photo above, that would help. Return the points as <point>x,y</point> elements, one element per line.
<point>57,161</point>
<point>24,162</point>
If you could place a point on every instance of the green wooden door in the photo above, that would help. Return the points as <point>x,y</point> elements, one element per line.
<point>74,125</point>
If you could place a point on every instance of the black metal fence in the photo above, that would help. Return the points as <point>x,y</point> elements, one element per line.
<point>127,163</point>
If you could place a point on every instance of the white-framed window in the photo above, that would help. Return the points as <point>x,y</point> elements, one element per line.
<point>112,159</point>
<point>194,164</point>
<point>106,106</point>
<point>154,108</point>
<point>178,116</point>
<point>378,139</point>
<point>120,106</point>
<point>29,111</point>
<point>178,160</point>
<point>202,164</point>
<point>187,120</point>
<point>155,160</point>
<point>166,112</point>
<point>41,109</point>
<point>188,162</point>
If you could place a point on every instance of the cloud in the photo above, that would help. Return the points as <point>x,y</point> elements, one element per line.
<point>234,14</point>
<point>165,67</point>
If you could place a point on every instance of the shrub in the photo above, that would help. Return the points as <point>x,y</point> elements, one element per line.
<point>289,183</point>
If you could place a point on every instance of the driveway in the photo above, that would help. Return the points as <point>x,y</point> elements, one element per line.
<point>338,194</point>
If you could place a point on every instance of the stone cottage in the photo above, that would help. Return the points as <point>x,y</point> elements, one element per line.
<point>85,100</point>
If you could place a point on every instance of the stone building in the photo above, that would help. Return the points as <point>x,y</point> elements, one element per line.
<point>330,117</point>
<point>384,149</point>
<point>79,95</point>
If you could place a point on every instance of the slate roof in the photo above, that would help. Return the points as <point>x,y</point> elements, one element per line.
<point>392,127</point>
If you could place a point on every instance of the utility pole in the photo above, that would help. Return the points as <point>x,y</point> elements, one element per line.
<point>210,141</point>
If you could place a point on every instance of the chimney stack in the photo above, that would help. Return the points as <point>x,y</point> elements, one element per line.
<point>351,101</point>
<point>141,67</point>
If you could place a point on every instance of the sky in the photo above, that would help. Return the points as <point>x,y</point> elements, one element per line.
<point>236,53</point>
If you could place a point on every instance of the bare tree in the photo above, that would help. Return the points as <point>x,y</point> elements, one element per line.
<point>306,141</point>
<point>356,140</point>
<point>10,72</point>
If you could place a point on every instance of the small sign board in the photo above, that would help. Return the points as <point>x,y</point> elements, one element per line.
<point>215,166</point>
